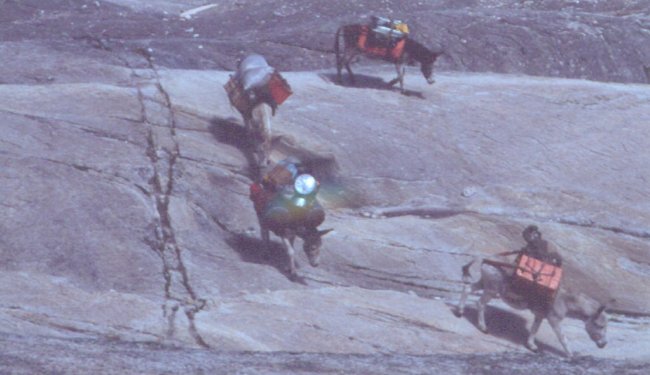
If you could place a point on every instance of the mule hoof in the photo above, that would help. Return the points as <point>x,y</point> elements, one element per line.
<point>532,347</point>
<point>295,278</point>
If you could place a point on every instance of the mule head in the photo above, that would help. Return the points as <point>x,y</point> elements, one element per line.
<point>426,67</point>
<point>312,242</point>
<point>425,56</point>
<point>596,327</point>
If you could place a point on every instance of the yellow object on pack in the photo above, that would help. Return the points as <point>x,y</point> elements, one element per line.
<point>402,27</point>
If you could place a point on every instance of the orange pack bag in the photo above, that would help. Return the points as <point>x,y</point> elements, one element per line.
<point>535,271</point>
<point>279,88</point>
<point>537,281</point>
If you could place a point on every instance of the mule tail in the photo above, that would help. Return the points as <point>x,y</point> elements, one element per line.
<point>467,276</point>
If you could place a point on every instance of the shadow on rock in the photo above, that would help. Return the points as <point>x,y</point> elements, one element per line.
<point>503,324</point>
<point>253,250</point>
<point>416,94</point>
<point>322,165</point>
<point>506,325</point>
<point>230,132</point>
<point>363,81</point>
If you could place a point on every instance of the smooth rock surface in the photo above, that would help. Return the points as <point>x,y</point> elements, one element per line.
<point>127,237</point>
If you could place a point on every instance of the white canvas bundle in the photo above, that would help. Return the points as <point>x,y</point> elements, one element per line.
<point>254,71</point>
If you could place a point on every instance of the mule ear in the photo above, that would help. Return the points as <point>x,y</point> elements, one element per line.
<point>324,231</point>
<point>605,306</point>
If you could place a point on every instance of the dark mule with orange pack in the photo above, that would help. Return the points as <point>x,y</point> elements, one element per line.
<point>382,39</point>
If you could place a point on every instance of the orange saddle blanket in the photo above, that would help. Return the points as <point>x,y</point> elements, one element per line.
<point>393,52</point>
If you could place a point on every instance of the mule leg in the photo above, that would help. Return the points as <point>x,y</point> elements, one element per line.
<point>339,68</point>
<point>247,125</point>
<point>467,283</point>
<point>486,297</point>
<point>266,237</point>
<point>530,343</point>
<point>460,308</point>
<point>261,129</point>
<point>401,70</point>
<point>291,253</point>
<point>555,324</point>
<point>393,81</point>
<point>250,140</point>
<point>347,67</point>
<point>265,149</point>
<point>467,289</point>
<point>340,54</point>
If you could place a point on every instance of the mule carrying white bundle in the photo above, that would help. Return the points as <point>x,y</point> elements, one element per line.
<point>256,81</point>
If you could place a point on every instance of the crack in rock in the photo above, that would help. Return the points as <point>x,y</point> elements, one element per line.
<point>442,213</point>
<point>306,48</point>
<point>75,326</point>
<point>390,317</point>
<point>637,233</point>
<point>112,177</point>
<point>179,293</point>
<point>75,125</point>
<point>395,279</point>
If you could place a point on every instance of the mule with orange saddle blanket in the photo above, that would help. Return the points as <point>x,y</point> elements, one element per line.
<point>390,42</point>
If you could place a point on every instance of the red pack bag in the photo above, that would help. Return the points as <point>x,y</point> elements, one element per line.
<point>279,88</point>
